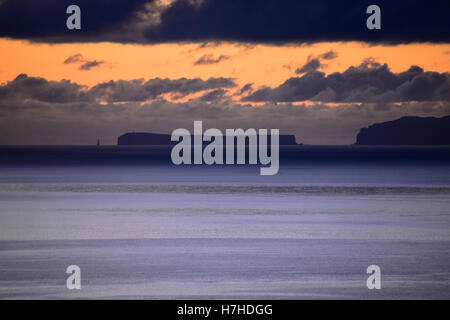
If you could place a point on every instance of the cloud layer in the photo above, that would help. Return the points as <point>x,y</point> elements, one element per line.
<point>369,82</point>
<point>35,110</point>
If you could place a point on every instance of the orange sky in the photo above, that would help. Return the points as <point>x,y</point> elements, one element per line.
<point>260,64</point>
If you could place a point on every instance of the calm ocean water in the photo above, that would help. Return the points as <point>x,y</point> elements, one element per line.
<point>139,227</point>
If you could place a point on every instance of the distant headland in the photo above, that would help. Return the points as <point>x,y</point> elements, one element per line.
<point>152,139</point>
<point>407,131</point>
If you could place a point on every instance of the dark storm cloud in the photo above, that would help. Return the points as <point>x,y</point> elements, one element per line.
<point>369,82</point>
<point>256,21</point>
<point>209,59</point>
<point>302,21</point>
<point>45,20</point>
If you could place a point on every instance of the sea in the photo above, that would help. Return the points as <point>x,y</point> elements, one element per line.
<point>140,227</point>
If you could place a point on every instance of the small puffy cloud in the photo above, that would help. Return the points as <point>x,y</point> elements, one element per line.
<point>329,55</point>
<point>85,64</point>
<point>74,59</point>
<point>310,65</point>
<point>210,59</point>
<point>88,65</point>
<point>314,63</point>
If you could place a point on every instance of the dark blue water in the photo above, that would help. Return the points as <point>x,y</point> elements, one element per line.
<point>140,227</point>
<point>144,155</point>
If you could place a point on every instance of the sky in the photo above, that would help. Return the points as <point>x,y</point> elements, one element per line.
<point>309,68</point>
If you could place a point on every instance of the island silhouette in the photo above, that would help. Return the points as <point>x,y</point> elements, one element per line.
<point>407,131</point>
<point>403,131</point>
